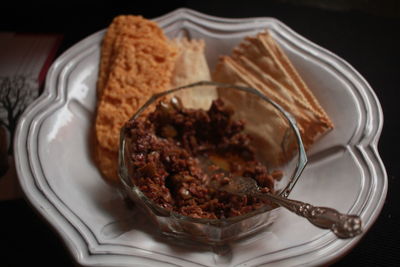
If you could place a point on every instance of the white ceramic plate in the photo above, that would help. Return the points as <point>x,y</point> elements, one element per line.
<point>58,176</point>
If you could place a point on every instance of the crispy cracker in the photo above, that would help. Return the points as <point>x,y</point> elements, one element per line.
<point>134,27</point>
<point>278,67</point>
<point>139,64</point>
<point>260,63</point>
<point>265,124</point>
<point>107,162</point>
<point>139,71</point>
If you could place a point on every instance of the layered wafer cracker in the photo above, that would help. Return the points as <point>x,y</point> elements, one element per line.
<point>260,63</point>
<point>262,56</point>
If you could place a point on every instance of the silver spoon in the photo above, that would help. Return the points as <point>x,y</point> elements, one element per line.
<point>342,225</point>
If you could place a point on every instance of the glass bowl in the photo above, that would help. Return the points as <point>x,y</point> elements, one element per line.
<point>277,143</point>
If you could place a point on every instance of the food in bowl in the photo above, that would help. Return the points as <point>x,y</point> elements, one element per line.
<point>169,146</point>
<point>181,206</point>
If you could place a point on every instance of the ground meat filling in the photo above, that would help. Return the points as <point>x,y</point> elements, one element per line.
<point>166,146</point>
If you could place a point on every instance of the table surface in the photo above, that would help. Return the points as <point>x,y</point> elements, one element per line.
<point>367,38</point>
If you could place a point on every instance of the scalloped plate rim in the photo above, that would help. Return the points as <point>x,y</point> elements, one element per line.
<point>75,242</point>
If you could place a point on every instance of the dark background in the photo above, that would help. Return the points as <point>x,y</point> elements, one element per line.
<point>364,33</point>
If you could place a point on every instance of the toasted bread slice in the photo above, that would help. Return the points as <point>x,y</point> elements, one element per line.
<point>133,27</point>
<point>141,69</point>
<point>138,62</point>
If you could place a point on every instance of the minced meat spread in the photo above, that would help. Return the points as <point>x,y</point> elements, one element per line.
<point>167,146</point>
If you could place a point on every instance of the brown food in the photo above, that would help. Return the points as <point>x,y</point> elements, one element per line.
<point>259,62</point>
<point>165,148</point>
<point>137,61</point>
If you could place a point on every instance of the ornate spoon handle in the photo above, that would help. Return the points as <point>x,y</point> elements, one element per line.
<point>343,225</point>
